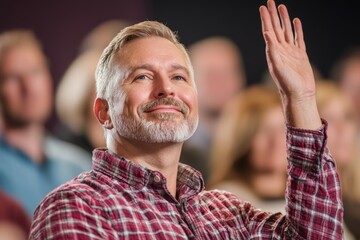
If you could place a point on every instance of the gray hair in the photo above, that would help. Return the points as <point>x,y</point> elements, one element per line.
<point>108,75</point>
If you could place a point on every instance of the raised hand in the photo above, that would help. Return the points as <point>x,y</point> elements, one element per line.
<point>289,65</point>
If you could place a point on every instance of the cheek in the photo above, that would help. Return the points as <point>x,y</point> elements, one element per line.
<point>351,134</point>
<point>11,94</point>
<point>190,98</point>
<point>128,102</point>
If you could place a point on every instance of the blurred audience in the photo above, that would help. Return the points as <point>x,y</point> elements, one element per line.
<point>76,90</point>
<point>14,221</point>
<point>346,71</point>
<point>219,76</point>
<point>343,128</point>
<point>32,161</point>
<point>248,155</point>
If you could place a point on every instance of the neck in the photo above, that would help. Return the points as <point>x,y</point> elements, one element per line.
<point>162,157</point>
<point>28,139</point>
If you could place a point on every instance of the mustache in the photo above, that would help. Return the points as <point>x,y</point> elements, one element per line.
<point>165,101</point>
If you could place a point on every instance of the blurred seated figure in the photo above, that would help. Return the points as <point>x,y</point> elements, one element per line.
<point>219,76</point>
<point>346,71</point>
<point>248,156</point>
<point>343,128</point>
<point>32,161</point>
<point>14,221</point>
<point>75,93</point>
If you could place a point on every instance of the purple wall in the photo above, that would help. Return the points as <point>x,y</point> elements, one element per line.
<point>61,25</point>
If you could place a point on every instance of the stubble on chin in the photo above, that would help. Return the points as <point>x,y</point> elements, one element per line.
<point>160,127</point>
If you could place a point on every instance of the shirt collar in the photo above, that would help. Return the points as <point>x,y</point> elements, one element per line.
<point>189,180</point>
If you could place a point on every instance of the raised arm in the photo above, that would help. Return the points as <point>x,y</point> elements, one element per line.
<point>289,66</point>
<point>314,206</point>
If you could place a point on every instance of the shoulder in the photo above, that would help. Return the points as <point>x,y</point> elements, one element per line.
<point>72,193</point>
<point>75,200</point>
<point>74,210</point>
<point>7,150</point>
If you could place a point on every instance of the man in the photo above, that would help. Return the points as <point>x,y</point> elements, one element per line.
<point>32,162</point>
<point>219,75</point>
<point>146,101</point>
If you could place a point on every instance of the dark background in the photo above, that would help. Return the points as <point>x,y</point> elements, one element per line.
<point>330,28</point>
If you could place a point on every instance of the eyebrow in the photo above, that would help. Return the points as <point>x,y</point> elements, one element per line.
<point>147,66</point>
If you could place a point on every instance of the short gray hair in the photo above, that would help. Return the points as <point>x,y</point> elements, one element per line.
<point>108,75</point>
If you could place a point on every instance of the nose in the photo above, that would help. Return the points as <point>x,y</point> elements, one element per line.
<point>28,84</point>
<point>163,87</point>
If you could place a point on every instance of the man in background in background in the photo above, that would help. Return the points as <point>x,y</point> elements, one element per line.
<point>219,75</point>
<point>32,162</point>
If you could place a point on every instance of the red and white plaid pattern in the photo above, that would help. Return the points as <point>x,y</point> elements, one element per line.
<point>122,200</point>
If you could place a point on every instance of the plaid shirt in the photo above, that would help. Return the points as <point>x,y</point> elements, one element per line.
<point>122,200</point>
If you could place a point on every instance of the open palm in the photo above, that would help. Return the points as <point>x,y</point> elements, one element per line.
<point>286,54</point>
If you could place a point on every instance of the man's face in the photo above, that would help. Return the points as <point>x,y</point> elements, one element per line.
<point>157,100</point>
<point>25,86</point>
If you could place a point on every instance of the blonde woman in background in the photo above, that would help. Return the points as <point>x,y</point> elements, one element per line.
<point>249,152</point>
<point>76,91</point>
<point>343,128</point>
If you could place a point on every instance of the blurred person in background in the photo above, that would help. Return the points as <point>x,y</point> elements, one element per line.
<point>346,71</point>
<point>75,93</point>
<point>338,109</point>
<point>32,161</point>
<point>248,156</point>
<point>14,221</point>
<point>219,76</point>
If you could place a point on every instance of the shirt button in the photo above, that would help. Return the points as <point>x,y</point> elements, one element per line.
<point>157,178</point>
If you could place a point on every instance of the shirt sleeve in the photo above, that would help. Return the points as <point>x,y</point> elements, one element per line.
<point>314,208</point>
<point>65,215</point>
<point>314,205</point>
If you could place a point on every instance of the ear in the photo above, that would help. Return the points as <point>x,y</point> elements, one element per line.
<point>101,111</point>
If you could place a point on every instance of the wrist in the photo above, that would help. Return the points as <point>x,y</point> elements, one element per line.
<point>301,112</point>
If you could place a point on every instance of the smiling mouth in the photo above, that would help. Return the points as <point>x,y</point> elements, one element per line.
<point>164,108</point>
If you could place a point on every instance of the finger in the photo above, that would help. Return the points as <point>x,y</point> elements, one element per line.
<point>266,24</point>
<point>275,20</point>
<point>286,24</point>
<point>299,35</point>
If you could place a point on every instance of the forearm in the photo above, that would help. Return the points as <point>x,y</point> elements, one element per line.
<point>301,113</point>
<point>314,205</point>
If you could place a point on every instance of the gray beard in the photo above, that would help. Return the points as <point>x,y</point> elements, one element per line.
<point>163,130</point>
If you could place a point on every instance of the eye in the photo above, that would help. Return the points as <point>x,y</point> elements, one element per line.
<point>141,77</point>
<point>179,78</point>
<point>10,79</point>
